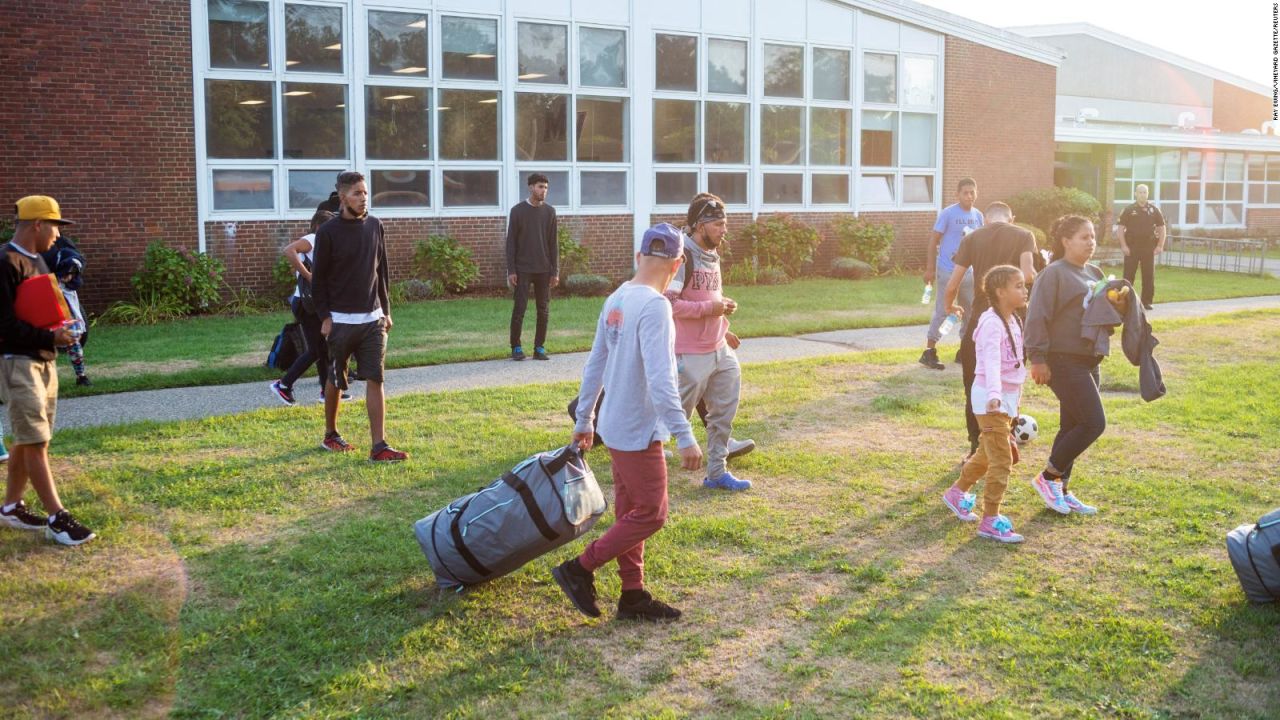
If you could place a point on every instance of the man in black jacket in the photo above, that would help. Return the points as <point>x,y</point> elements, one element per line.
<point>533,257</point>
<point>350,291</point>
<point>29,378</point>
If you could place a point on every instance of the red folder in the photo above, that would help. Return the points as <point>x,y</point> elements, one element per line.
<point>40,302</point>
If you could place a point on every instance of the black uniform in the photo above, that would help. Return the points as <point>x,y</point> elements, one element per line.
<point>1140,223</point>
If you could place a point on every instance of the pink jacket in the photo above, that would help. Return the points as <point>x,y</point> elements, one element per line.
<point>1001,368</point>
<point>697,330</point>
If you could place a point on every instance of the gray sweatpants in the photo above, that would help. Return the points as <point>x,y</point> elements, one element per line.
<point>716,379</point>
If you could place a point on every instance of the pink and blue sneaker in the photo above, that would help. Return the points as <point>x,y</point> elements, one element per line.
<point>998,528</point>
<point>960,502</point>
<point>1050,491</point>
<point>1077,506</point>
<point>726,482</point>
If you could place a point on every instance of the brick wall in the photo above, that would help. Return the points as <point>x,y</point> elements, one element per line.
<point>1263,218</point>
<point>97,112</point>
<point>997,122</point>
<point>250,255</point>
<point>1236,109</point>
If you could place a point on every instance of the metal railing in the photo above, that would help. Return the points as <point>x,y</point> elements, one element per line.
<point>1239,256</point>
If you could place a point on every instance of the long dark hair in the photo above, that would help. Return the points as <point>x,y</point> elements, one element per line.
<point>1063,228</point>
<point>996,278</point>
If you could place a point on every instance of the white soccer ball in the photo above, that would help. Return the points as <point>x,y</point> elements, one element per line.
<point>1025,429</point>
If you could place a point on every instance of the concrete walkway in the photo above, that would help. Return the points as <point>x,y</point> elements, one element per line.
<point>197,402</point>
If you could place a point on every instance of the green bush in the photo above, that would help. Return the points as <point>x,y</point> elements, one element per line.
<point>740,273</point>
<point>575,258</point>
<point>780,241</point>
<point>1042,240</point>
<point>445,263</point>
<point>587,285</point>
<point>283,279</point>
<point>862,240</point>
<point>244,301</point>
<point>772,276</point>
<point>413,289</point>
<point>1041,207</point>
<point>179,279</point>
<point>851,268</point>
<point>147,309</point>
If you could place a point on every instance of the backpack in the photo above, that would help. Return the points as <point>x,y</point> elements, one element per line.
<point>304,289</point>
<point>1255,554</point>
<point>286,348</point>
<point>546,501</point>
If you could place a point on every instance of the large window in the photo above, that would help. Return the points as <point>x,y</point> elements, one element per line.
<point>899,131</point>
<point>542,126</point>
<point>1264,179</point>
<point>1160,170</point>
<point>397,123</point>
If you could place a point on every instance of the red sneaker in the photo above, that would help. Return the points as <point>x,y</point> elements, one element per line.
<point>335,443</point>
<point>386,453</point>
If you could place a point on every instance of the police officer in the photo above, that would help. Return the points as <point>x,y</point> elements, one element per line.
<point>1141,231</point>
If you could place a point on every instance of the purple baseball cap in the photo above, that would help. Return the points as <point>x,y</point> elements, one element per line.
<point>663,240</point>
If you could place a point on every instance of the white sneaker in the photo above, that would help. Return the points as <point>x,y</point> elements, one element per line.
<point>738,448</point>
<point>1077,506</point>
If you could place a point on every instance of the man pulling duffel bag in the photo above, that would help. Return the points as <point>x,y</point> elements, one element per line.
<point>1255,554</point>
<point>541,504</point>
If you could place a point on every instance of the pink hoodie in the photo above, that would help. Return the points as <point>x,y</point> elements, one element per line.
<point>697,330</point>
<point>1000,368</point>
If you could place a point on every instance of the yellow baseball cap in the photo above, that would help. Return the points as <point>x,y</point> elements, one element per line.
<point>41,207</point>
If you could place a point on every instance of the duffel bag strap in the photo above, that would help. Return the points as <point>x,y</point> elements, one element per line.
<point>1275,551</point>
<point>456,533</point>
<point>557,464</point>
<point>530,505</point>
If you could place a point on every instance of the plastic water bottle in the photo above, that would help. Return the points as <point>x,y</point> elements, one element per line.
<point>927,297</point>
<point>950,322</point>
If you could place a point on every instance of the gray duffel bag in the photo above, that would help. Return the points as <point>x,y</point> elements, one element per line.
<point>1255,554</point>
<point>541,504</point>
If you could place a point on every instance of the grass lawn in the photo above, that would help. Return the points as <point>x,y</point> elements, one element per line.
<point>221,350</point>
<point>243,573</point>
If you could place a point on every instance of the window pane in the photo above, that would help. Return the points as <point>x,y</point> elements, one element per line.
<point>400,188</point>
<point>542,126</point>
<point>1257,167</point>
<point>557,186</point>
<point>397,123</point>
<point>1124,190</point>
<point>1211,214</point>
<point>676,57</point>
<point>783,189</point>
<point>1235,191</point>
<point>1214,191</point>
<point>1234,166</point>
<point>238,34</point>
<point>727,66</point>
<point>243,190</point>
<point>918,136</point>
<point>1168,191</point>
<point>544,54</point>
<point>830,74</point>
<point>879,138</point>
<point>239,119</point>
<point>315,120</point>
<point>397,44</point>
<point>676,188</point>
<point>917,189</point>
<point>1170,212</point>
<point>1257,193</point>
<point>1193,192</point>
<point>919,81</point>
<point>1124,162</point>
<point>602,57</point>
<point>1193,164</point>
<point>309,188</point>
<point>601,129</point>
<point>880,78</point>
<point>675,131</point>
<point>1213,169</point>
<point>470,48</point>
<point>830,189</point>
<point>468,188</point>
<point>1273,194</point>
<point>731,187</point>
<point>781,135</point>
<point>1144,164</point>
<point>783,71</point>
<point>1273,168</point>
<point>727,132</point>
<point>603,188</point>
<point>468,125</point>
<point>829,136</point>
<point>1232,214</point>
<point>1193,214</point>
<point>876,190</point>
<point>313,38</point>
<point>1169,164</point>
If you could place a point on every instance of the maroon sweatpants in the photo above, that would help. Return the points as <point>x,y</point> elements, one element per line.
<point>640,508</point>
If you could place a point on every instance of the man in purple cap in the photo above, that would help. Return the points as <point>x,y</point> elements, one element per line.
<point>633,359</point>
<point>29,378</point>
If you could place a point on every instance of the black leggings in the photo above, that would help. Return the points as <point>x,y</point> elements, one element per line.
<point>317,352</point>
<point>1074,379</point>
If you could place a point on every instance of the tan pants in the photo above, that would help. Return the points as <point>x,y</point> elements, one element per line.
<point>993,460</point>
<point>716,379</point>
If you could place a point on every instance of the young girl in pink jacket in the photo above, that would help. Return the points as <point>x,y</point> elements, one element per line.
<point>997,387</point>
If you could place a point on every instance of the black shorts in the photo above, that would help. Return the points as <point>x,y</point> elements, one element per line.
<point>367,342</point>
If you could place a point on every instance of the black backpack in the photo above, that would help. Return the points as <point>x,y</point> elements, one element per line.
<point>286,348</point>
<point>304,289</point>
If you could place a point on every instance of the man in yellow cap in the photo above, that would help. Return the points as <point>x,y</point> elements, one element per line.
<point>29,378</point>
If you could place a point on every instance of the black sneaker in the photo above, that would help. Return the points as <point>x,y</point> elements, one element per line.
<point>22,519</point>
<point>540,354</point>
<point>517,353</point>
<point>929,359</point>
<point>83,380</point>
<point>640,605</point>
<point>65,530</point>
<point>579,585</point>
<point>285,394</point>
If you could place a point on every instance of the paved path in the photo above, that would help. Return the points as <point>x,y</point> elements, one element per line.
<point>198,402</point>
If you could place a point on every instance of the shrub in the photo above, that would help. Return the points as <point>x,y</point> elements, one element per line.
<point>862,240</point>
<point>1042,240</point>
<point>741,273</point>
<point>179,279</point>
<point>772,276</point>
<point>780,241</point>
<point>283,279</point>
<point>445,263</point>
<point>587,285</point>
<point>244,301</point>
<point>575,258</point>
<point>147,309</point>
<point>1255,233</point>
<point>413,289</point>
<point>1041,207</point>
<point>851,268</point>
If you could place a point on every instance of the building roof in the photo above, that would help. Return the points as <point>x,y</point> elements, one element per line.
<point>962,27</point>
<point>1093,31</point>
